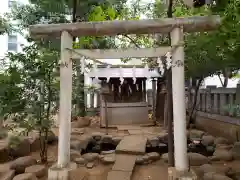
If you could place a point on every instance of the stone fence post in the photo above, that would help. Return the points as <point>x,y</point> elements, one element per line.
<point>237,94</point>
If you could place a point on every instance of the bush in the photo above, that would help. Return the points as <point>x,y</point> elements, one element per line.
<point>233,109</point>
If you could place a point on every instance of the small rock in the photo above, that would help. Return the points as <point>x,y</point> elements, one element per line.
<point>97,148</point>
<point>3,133</point>
<point>81,122</point>
<point>101,156</point>
<point>108,159</point>
<point>75,145</point>
<point>20,164</point>
<point>74,154</point>
<point>38,170</point>
<point>165,157</point>
<point>90,157</point>
<point>116,140</point>
<point>4,151</point>
<point>220,177</point>
<point>154,141</point>
<point>7,175</point>
<point>195,134</point>
<point>107,139</point>
<point>90,165</point>
<point>215,176</point>
<point>221,140</point>
<point>20,148</point>
<point>207,140</point>
<point>25,176</point>
<point>222,155</point>
<point>210,149</point>
<point>77,132</point>
<point>97,136</point>
<point>162,148</point>
<point>153,156</point>
<point>52,137</point>
<point>139,160</point>
<point>108,152</point>
<point>148,145</point>
<point>163,138</point>
<point>224,146</point>
<point>236,151</point>
<point>197,159</point>
<point>80,161</point>
<point>84,140</point>
<point>205,169</point>
<point>34,141</point>
<point>146,159</point>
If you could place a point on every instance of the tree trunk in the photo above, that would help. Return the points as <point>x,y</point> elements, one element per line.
<point>80,77</point>
<point>226,74</point>
<point>170,119</point>
<point>170,101</point>
<point>193,108</point>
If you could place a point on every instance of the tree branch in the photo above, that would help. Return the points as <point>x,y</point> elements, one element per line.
<point>220,80</point>
<point>132,40</point>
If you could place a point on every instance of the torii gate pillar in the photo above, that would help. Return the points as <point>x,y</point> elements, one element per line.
<point>179,111</point>
<point>63,166</point>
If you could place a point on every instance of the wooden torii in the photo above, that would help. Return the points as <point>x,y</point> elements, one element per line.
<point>175,26</point>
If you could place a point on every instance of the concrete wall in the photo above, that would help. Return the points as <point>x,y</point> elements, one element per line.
<point>218,125</point>
<point>212,114</point>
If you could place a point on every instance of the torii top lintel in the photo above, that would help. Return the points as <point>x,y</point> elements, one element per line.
<point>145,26</point>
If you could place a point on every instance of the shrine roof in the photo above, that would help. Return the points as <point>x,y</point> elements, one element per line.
<point>125,72</point>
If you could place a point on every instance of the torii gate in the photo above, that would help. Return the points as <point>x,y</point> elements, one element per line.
<point>175,26</point>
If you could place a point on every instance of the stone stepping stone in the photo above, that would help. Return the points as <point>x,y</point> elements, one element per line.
<point>128,127</point>
<point>124,162</point>
<point>133,144</point>
<point>119,175</point>
<point>135,131</point>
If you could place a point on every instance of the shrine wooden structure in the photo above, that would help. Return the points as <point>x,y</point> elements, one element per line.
<point>126,102</point>
<point>175,26</point>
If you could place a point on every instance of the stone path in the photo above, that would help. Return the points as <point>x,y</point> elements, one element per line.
<point>127,151</point>
<point>132,144</point>
<point>124,162</point>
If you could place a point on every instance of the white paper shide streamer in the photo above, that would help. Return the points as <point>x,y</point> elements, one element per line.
<point>95,69</point>
<point>121,75</point>
<point>108,77</point>
<point>169,60</point>
<point>134,75</point>
<point>147,72</point>
<point>82,65</point>
<point>160,65</point>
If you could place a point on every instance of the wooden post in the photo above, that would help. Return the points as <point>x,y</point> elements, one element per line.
<point>144,89</point>
<point>215,103</point>
<point>154,83</point>
<point>179,110</point>
<point>223,102</point>
<point>92,100</point>
<point>65,101</point>
<point>237,102</point>
<point>106,117</point>
<point>98,99</point>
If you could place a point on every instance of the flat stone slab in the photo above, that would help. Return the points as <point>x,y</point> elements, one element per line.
<point>135,131</point>
<point>127,127</point>
<point>124,162</point>
<point>132,144</point>
<point>119,175</point>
